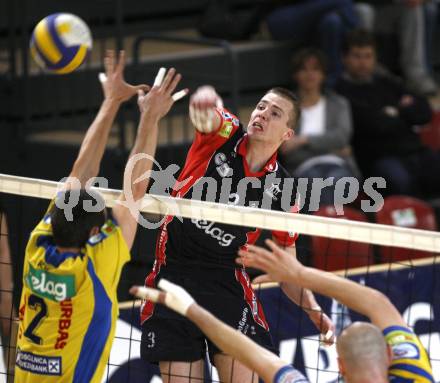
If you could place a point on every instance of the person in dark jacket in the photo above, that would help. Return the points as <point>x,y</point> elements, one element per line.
<point>320,22</point>
<point>385,116</point>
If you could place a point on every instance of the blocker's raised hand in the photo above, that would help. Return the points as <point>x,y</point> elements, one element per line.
<point>159,100</point>
<point>113,83</point>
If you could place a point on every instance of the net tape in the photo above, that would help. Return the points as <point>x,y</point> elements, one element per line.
<point>246,216</point>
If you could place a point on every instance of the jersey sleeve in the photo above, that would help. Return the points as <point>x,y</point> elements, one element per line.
<point>44,224</point>
<point>289,374</point>
<point>409,358</point>
<point>109,253</point>
<point>286,238</point>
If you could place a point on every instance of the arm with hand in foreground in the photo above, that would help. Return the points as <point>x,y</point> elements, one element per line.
<point>229,340</point>
<point>305,299</point>
<point>116,91</point>
<point>281,266</point>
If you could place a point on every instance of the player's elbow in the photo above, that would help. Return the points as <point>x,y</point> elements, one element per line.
<point>378,303</point>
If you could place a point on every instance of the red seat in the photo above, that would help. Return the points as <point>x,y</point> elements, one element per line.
<point>334,254</point>
<point>406,212</point>
<point>430,133</point>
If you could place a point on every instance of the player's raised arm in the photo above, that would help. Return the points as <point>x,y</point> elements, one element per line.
<point>202,109</point>
<point>306,300</point>
<point>280,266</point>
<point>153,107</point>
<point>229,340</point>
<point>116,91</point>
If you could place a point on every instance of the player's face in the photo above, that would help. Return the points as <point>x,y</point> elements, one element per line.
<point>311,76</point>
<point>270,119</point>
<point>360,62</point>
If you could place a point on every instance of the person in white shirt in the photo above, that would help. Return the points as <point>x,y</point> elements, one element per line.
<point>321,147</point>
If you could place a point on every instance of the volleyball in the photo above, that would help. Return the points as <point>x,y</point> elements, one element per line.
<point>60,43</point>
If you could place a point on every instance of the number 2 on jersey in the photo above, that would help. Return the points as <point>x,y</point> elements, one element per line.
<point>35,303</point>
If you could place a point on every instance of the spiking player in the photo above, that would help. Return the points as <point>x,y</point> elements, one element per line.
<point>199,255</point>
<point>72,266</point>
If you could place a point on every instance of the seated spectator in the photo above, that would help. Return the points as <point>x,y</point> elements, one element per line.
<point>384,116</point>
<point>321,22</point>
<point>320,147</point>
<point>413,22</point>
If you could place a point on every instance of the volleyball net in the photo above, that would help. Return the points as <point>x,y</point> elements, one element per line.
<point>401,262</point>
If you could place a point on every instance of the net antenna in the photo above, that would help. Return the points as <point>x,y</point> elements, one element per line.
<point>246,216</point>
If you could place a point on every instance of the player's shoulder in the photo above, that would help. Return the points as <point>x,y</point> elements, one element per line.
<point>395,335</point>
<point>409,358</point>
<point>107,231</point>
<point>289,374</point>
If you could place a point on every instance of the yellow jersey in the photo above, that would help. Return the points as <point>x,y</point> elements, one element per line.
<point>68,307</point>
<point>410,363</point>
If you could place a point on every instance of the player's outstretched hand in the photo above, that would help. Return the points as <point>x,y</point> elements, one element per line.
<point>113,82</point>
<point>325,326</point>
<point>282,266</point>
<point>278,264</point>
<point>159,100</point>
<point>202,108</point>
<point>172,296</point>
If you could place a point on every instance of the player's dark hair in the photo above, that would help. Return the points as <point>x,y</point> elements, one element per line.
<point>75,232</point>
<point>299,59</point>
<point>290,96</point>
<point>360,38</point>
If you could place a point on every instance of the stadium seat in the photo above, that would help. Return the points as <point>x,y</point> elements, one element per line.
<point>430,133</point>
<point>406,212</point>
<point>333,254</point>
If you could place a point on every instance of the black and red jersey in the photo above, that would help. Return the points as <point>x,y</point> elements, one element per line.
<point>216,170</point>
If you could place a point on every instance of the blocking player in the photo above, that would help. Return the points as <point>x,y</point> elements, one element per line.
<point>224,164</point>
<point>75,255</point>
<point>386,350</point>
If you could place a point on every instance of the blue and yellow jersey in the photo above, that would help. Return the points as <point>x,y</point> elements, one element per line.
<point>68,306</point>
<point>410,362</point>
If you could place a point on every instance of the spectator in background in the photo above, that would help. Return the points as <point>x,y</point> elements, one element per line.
<point>321,146</point>
<point>7,310</point>
<point>384,116</point>
<point>409,19</point>
<point>321,22</point>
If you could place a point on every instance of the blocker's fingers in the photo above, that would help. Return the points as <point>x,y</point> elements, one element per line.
<point>168,79</point>
<point>173,84</point>
<point>140,93</point>
<point>110,61</point>
<point>328,335</point>
<point>102,77</point>
<point>180,94</point>
<point>159,77</point>
<point>326,339</point>
<point>121,61</point>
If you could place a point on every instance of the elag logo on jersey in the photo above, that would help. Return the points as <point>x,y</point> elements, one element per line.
<point>50,286</point>
<point>224,239</point>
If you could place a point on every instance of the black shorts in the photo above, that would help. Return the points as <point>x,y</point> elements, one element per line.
<point>168,336</point>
